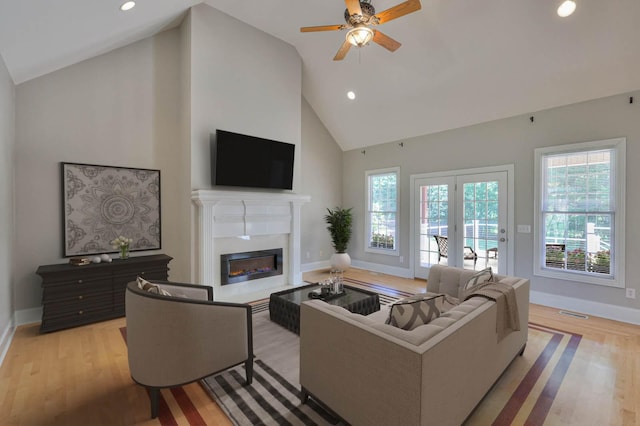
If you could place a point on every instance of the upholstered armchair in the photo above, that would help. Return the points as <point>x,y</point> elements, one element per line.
<point>178,339</point>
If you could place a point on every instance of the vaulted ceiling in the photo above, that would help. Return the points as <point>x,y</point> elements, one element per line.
<point>461,62</point>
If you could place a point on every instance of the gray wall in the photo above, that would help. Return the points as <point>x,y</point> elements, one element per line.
<point>7,129</point>
<point>322,179</point>
<point>508,141</point>
<point>117,109</point>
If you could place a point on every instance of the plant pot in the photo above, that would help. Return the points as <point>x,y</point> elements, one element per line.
<point>340,261</point>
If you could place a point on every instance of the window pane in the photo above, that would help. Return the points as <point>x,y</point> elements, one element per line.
<point>382,210</point>
<point>576,184</point>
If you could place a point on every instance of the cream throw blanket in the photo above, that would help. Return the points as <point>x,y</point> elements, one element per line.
<point>508,319</point>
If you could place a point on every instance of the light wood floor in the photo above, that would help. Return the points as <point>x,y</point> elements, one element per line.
<point>81,377</point>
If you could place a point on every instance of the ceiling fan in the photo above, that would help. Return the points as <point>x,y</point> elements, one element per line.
<point>360,17</point>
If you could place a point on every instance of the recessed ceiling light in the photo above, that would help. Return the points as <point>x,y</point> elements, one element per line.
<point>351,95</point>
<point>127,5</point>
<point>566,8</point>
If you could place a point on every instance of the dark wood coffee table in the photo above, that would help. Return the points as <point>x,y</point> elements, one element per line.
<point>284,306</point>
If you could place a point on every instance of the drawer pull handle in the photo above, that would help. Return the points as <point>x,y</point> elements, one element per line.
<point>80,297</point>
<point>80,312</point>
<point>79,281</point>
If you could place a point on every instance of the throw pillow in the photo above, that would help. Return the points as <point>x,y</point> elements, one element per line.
<point>412,312</point>
<point>479,278</point>
<point>151,288</point>
<point>476,279</point>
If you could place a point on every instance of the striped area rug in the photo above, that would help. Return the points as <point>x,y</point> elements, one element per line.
<point>270,400</point>
<point>539,374</point>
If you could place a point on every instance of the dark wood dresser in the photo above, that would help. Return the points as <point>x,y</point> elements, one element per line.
<point>76,295</point>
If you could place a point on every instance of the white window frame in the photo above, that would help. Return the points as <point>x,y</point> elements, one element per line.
<point>367,227</point>
<point>616,278</point>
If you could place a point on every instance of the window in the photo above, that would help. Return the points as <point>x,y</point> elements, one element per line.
<point>580,212</point>
<point>382,211</point>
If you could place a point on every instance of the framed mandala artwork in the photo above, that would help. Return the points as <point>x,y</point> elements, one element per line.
<point>102,203</point>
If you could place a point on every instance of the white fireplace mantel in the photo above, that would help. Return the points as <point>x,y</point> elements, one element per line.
<point>223,214</point>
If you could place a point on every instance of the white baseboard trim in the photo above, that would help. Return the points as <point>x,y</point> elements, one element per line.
<point>383,269</point>
<point>314,266</point>
<point>603,310</point>
<point>28,316</point>
<point>5,340</point>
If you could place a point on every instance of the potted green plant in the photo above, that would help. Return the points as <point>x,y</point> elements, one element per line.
<point>339,221</point>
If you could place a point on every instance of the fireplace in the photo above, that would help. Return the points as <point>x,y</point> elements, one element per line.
<point>252,265</point>
<point>236,221</point>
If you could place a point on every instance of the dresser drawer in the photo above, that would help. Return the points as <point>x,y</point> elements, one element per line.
<point>77,288</point>
<point>78,305</point>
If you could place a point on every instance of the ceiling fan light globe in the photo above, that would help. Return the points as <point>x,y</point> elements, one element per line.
<point>359,36</point>
<point>566,8</point>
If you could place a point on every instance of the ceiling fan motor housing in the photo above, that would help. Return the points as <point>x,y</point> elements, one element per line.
<point>367,11</point>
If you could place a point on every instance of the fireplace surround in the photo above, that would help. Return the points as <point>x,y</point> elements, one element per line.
<point>234,221</point>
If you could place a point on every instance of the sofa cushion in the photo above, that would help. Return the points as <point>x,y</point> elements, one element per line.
<point>151,287</point>
<point>420,309</point>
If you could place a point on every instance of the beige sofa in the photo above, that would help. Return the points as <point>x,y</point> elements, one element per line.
<point>370,373</point>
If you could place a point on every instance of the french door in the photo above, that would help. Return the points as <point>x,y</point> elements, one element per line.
<point>461,220</point>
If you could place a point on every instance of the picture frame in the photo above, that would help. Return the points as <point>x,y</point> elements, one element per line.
<point>101,203</point>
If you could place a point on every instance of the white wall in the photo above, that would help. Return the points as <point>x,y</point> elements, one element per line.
<point>120,109</point>
<point>242,80</point>
<point>511,141</point>
<point>7,139</point>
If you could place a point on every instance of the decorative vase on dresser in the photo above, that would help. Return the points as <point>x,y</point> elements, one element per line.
<point>76,295</point>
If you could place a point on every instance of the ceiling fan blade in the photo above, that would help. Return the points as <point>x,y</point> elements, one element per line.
<point>321,28</point>
<point>354,7</point>
<point>398,10</point>
<point>342,52</point>
<point>385,41</point>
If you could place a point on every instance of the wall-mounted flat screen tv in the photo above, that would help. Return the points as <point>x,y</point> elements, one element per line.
<point>249,161</point>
